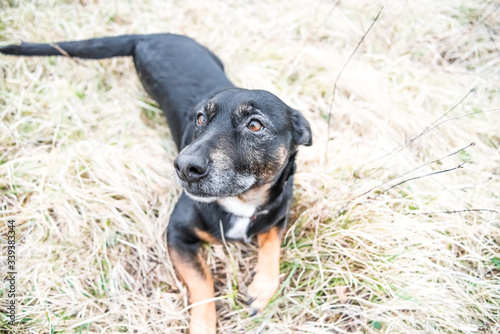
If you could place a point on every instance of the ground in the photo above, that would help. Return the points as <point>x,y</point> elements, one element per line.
<point>395,226</point>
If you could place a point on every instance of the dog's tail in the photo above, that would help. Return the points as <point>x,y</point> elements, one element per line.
<point>97,48</point>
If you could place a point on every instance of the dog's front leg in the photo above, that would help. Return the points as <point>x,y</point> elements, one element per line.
<point>266,280</point>
<point>193,271</point>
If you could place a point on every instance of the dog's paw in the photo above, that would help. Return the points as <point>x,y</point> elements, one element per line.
<point>260,291</point>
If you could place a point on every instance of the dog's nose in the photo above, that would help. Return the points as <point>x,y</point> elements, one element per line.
<point>191,168</point>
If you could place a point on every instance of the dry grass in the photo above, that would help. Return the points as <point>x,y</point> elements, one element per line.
<point>86,164</point>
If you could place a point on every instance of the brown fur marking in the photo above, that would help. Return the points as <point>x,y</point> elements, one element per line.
<point>243,109</point>
<point>257,196</point>
<point>200,285</point>
<point>205,236</point>
<point>266,280</point>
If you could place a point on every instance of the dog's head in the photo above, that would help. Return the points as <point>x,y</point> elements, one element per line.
<point>242,140</point>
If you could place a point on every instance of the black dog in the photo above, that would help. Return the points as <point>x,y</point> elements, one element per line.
<point>237,156</point>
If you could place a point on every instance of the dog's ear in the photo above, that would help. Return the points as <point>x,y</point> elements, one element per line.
<point>301,129</point>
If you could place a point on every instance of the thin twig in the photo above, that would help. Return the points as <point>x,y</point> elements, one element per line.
<point>422,176</point>
<point>434,124</point>
<point>414,169</point>
<point>61,50</point>
<point>429,128</point>
<point>428,163</point>
<point>345,206</point>
<point>338,77</point>
<point>450,212</point>
<point>467,115</point>
<point>64,53</point>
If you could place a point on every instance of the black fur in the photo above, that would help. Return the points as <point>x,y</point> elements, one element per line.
<point>210,120</point>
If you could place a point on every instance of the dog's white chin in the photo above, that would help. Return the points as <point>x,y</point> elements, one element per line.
<point>201,199</point>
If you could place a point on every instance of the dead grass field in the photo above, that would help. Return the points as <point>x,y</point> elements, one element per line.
<point>86,168</point>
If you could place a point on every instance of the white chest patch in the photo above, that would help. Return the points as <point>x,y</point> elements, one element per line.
<point>238,207</point>
<point>240,224</point>
<point>239,229</point>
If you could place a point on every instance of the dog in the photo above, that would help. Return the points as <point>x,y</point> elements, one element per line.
<point>236,162</point>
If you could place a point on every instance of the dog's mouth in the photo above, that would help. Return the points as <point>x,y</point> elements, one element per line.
<point>217,184</point>
<point>203,198</point>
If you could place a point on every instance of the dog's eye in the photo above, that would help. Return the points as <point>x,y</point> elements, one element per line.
<point>201,119</point>
<point>254,125</point>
